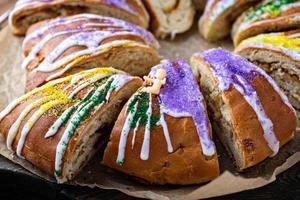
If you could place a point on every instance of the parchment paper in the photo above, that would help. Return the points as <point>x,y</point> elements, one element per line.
<point>96,175</point>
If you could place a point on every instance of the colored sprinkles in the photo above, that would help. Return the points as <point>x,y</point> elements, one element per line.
<point>179,97</point>
<point>269,8</point>
<point>74,110</point>
<point>235,71</point>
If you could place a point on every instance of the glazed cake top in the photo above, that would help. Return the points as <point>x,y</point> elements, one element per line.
<point>235,71</point>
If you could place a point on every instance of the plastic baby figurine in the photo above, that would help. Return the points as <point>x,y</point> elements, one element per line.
<point>153,86</point>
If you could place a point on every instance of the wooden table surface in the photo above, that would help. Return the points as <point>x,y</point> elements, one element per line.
<point>286,187</point>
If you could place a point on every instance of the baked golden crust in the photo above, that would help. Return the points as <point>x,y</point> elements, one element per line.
<point>268,16</point>
<point>278,55</point>
<point>64,46</point>
<point>40,30</point>
<point>35,79</point>
<point>43,149</point>
<point>248,131</point>
<point>186,165</point>
<point>218,17</point>
<point>180,160</point>
<point>29,12</point>
<point>244,131</point>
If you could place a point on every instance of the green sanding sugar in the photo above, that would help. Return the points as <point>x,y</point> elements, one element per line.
<point>82,114</point>
<point>142,99</point>
<point>67,115</point>
<point>57,173</point>
<point>154,119</point>
<point>271,8</point>
<point>141,112</point>
<point>132,103</point>
<point>120,163</point>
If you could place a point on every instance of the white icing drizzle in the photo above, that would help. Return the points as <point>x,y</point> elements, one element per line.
<point>100,49</point>
<point>79,88</point>
<point>264,120</point>
<point>174,114</point>
<point>134,133</point>
<point>27,127</point>
<point>294,35</point>
<point>278,90</point>
<point>294,55</point>
<point>60,22</point>
<point>165,130</point>
<point>15,126</point>
<point>207,150</point>
<point>252,98</point>
<point>289,52</point>
<point>45,103</point>
<point>203,131</point>
<point>91,40</point>
<point>145,150</point>
<point>207,10</point>
<point>108,94</point>
<point>248,24</point>
<point>98,21</point>
<point>87,34</point>
<point>39,46</point>
<point>58,123</point>
<point>85,84</point>
<point>118,81</point>
<point>124,135</point>
<point>271,81</point>
<point>17,101</point>
<point>146,142</point>
<point>10,107</point>
<point>77,78</point>
<point>64,140</point>
<point>220,7</point>
<point>99,89</point>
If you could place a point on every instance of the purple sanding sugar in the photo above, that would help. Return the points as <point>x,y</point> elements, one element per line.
<point>180,96</point>
<point>100,20</point>
<point>235,71</point>
<point>228,66</point>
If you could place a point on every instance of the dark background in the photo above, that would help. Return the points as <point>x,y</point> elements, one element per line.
<point>18,184</point>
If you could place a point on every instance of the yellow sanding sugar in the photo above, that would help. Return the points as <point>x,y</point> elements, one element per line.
<point>51,104</point>
<point>50,88</point>
<point>88,74</point>
<point>281,40</point>
<point>100,70</point>
<point>56,111</point>
<point>54,90</point>
<point>97,71</point>
<point>30,123</point>
<point>43,100</point>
